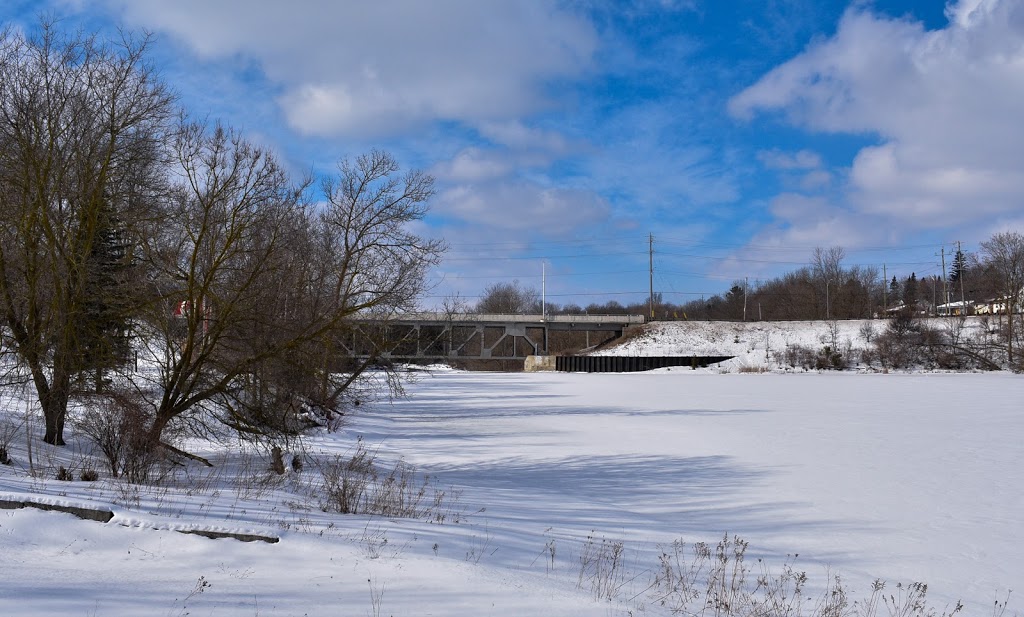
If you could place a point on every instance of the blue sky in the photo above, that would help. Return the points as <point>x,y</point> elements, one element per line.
<point>740,134</point>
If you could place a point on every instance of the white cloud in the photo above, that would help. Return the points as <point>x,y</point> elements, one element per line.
<point>777,159</point>
<point>945,103</point>
<point>515,134</point>
<point>802,169</point>
<point>816,180</point>
<point>474,165</point>
<point>651,159</point>
<point>888,181</point>
<point>525,207</point>
<point>802,221</point>
<point>375,68</point>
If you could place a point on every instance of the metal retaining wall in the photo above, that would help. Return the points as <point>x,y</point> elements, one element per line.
<point>630,364</point>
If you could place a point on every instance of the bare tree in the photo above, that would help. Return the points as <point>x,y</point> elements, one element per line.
<point>373,264</point>
<point>1004,252</point>
<point>383,265</point>
<point>81,126</point>
<point>827,267</point>
<point>214,261</point>
<point>256,286</point>
<point>510,299</point>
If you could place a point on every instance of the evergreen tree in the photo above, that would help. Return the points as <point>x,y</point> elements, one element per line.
<point>910,291</point>
<point>103,327</point>
<point>958,267</point>
<point>894,288</point>
<point>734,302</point>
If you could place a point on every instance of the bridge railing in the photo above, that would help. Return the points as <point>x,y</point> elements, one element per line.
<point>512,318</point>
<point>476,335</point>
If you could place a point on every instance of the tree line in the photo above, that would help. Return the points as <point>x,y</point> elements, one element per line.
<point>171,268</point>
<point>989,282</point>
<point>823,289</point>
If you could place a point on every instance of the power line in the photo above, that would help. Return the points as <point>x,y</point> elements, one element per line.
<point>537,276</point>
<point>634,239</point>
<point>549,251</point>
<point>540,257</point>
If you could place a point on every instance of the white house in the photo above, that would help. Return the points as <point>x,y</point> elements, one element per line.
<point>998,306</point>
<point>957,308</point>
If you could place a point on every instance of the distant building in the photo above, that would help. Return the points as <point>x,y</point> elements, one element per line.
<point>997,306</point>
<point>965,307</point>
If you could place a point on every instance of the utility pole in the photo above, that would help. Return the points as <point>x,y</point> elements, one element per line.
<point>744,298</point>
<point>544,302</point>
<point>543,291</point>
<point>885,292</point>
<point>962,271</point>
<point>945,292</point>
<point>650,254</point>
<point>828,312</point>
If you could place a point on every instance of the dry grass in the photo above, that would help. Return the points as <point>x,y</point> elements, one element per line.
<point>707,580</point>
<point>355,484</point>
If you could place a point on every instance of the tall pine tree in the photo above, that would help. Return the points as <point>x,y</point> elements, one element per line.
<point>910,291</point>
<point>103,339</point>
<point>958,267</point>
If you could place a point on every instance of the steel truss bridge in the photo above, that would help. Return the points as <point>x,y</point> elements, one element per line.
<point>440,336</point>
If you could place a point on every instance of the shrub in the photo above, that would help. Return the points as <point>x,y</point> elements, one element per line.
<point>796,356</point>
<point>719,581</point>
<point>909,342</point>
<point>903,325</point>
<point>829,358</point>
<point>746,368</point>
<point>601,567</point>
<point>867,331</point>
<point>355,485</point>
<point>826,358</point>
<point>869,356</point>
<point>89,475</point>
<point>276,460</point>
<point>8,431</point>
<point>118,423</point>
<point>892,351</point>
<point>345,480</point>
<point>900,345</point>
<point>64,475</point>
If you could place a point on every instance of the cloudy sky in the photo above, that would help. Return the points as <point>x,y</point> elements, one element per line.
<point>564,134</point>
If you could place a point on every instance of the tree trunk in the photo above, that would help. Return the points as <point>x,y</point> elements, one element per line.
<point>1009,332</point>
<point>54,401</point>
<point>54,430</point>
<point>156,431</point>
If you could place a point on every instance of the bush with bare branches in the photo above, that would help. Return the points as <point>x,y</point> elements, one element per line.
<point>118,423</point>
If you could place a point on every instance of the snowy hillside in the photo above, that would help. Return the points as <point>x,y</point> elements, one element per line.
<point>761,345</point>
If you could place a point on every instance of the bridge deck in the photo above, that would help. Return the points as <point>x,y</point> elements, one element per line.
<point>477,335</point>
<point>553,322</point>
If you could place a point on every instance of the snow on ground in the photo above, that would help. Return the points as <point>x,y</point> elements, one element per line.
<point>905,477</point>
<point>758,344</point>
<point>749,340</point>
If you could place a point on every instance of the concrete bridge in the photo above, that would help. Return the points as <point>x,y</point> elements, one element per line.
<point>419,336</point>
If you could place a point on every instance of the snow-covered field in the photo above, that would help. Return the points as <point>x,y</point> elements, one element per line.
<point>750,342</point>
<point>903,477</point>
